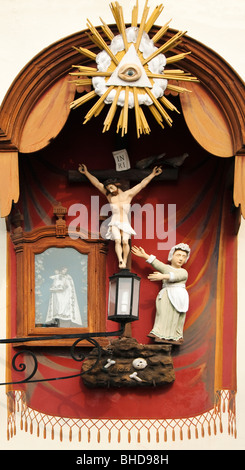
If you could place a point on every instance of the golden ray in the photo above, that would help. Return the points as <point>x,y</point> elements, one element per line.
<point>161,32</point>
<point>159,107</point>
<point>125,113</point>
<point>123,30</point>
<point>94,109</point>
<point>83,99</point>
<point>91,73</point>
<point>142,25</point>
<point>169,44</point>
<point>135,9</point>
<point>155,14</point>
<point>112,111</point>
<point>145,125</point>
<point>94,40</point>
<point>107,30</point>
<point>170,75</point>
<point>168,104</point>
<point>156,115</point>
<point>177,57</point>
<point>120,120</point>
<point>177,88</point>
<point>82,81</point>
<point>99,109</point>
<point>137,114</point>
<point>114,10</point>
<point>118,15</point>
<point>85,52</point>
<point>102,42</point>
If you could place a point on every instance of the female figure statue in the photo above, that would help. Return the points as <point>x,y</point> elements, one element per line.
<point>172,301</point>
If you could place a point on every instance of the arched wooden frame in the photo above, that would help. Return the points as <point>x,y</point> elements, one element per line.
<point>214,111</point>
<point>29,244</point>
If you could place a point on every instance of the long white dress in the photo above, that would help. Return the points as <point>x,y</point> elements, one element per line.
<point>63,304</point>
<point>172,303</point>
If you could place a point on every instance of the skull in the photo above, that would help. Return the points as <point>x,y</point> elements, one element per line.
<point>139,363</point>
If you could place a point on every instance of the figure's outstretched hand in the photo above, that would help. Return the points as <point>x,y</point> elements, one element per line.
<point>139,251</point>
<point>156,276</point>
<point>157,170</point>
<point>82,168</point>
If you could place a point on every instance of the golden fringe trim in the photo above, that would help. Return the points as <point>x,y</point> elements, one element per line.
<point>115,430</point>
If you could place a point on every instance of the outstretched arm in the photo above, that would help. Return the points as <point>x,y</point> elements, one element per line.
<point>139,251</point>
<point>162,268</point>
<point>95,182</point>
<point>138,187</point>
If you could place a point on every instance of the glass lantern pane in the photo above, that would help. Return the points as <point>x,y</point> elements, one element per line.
<point>124,296</point>
<point>136,292</point>
<point>112,297</point>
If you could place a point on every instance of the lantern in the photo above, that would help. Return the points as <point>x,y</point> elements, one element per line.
<point>123,304</point>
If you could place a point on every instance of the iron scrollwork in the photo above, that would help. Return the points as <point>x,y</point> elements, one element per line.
<point>21,367</point>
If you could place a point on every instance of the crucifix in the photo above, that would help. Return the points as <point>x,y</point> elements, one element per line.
<point>115,186</point>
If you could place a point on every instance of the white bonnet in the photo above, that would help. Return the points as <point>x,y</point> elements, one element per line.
<point>180,246</point>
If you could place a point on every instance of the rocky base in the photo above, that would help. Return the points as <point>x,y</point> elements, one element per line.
<point>126,363</point>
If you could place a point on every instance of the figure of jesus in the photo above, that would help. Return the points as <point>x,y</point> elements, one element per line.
<point>120,229</point>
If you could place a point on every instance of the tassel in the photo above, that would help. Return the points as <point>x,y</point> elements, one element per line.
<point>21,424</point>
<point>189,433</point>
<point>196,433</point>
<point>79,435</point>
<point>215,429</point>
<point>165,435</point>
<point>221,427</point>
<point>157,436</point>
<point>109,436</point>
<point>119,436</point>
<point>31,428</point>
<point>70,435</point>
<point>202,431</point>
<point>149,435</point>
<point>89,435</point>
<point>129,436</point>
<point>209,429</point>
<point>173,435</point>
<point>181,434</point>
<point>44,432</point>
<point>38,430</point>
<point>26,426</point>
<point>61,434</point>
<point>138,438</point>
<point>98,436</point>
<point>52,433</point>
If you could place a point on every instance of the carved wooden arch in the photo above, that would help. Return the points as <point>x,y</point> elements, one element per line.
<point>214,111</point>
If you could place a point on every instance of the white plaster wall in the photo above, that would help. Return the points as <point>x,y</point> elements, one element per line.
<point>27,27</point>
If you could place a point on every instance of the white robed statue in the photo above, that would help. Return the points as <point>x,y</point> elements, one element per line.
<point>172,301</point>
<point>63,304</point>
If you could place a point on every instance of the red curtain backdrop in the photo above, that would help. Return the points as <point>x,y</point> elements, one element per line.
<point>206,362</point>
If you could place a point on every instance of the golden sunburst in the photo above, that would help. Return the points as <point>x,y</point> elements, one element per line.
<point>131,71</point>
